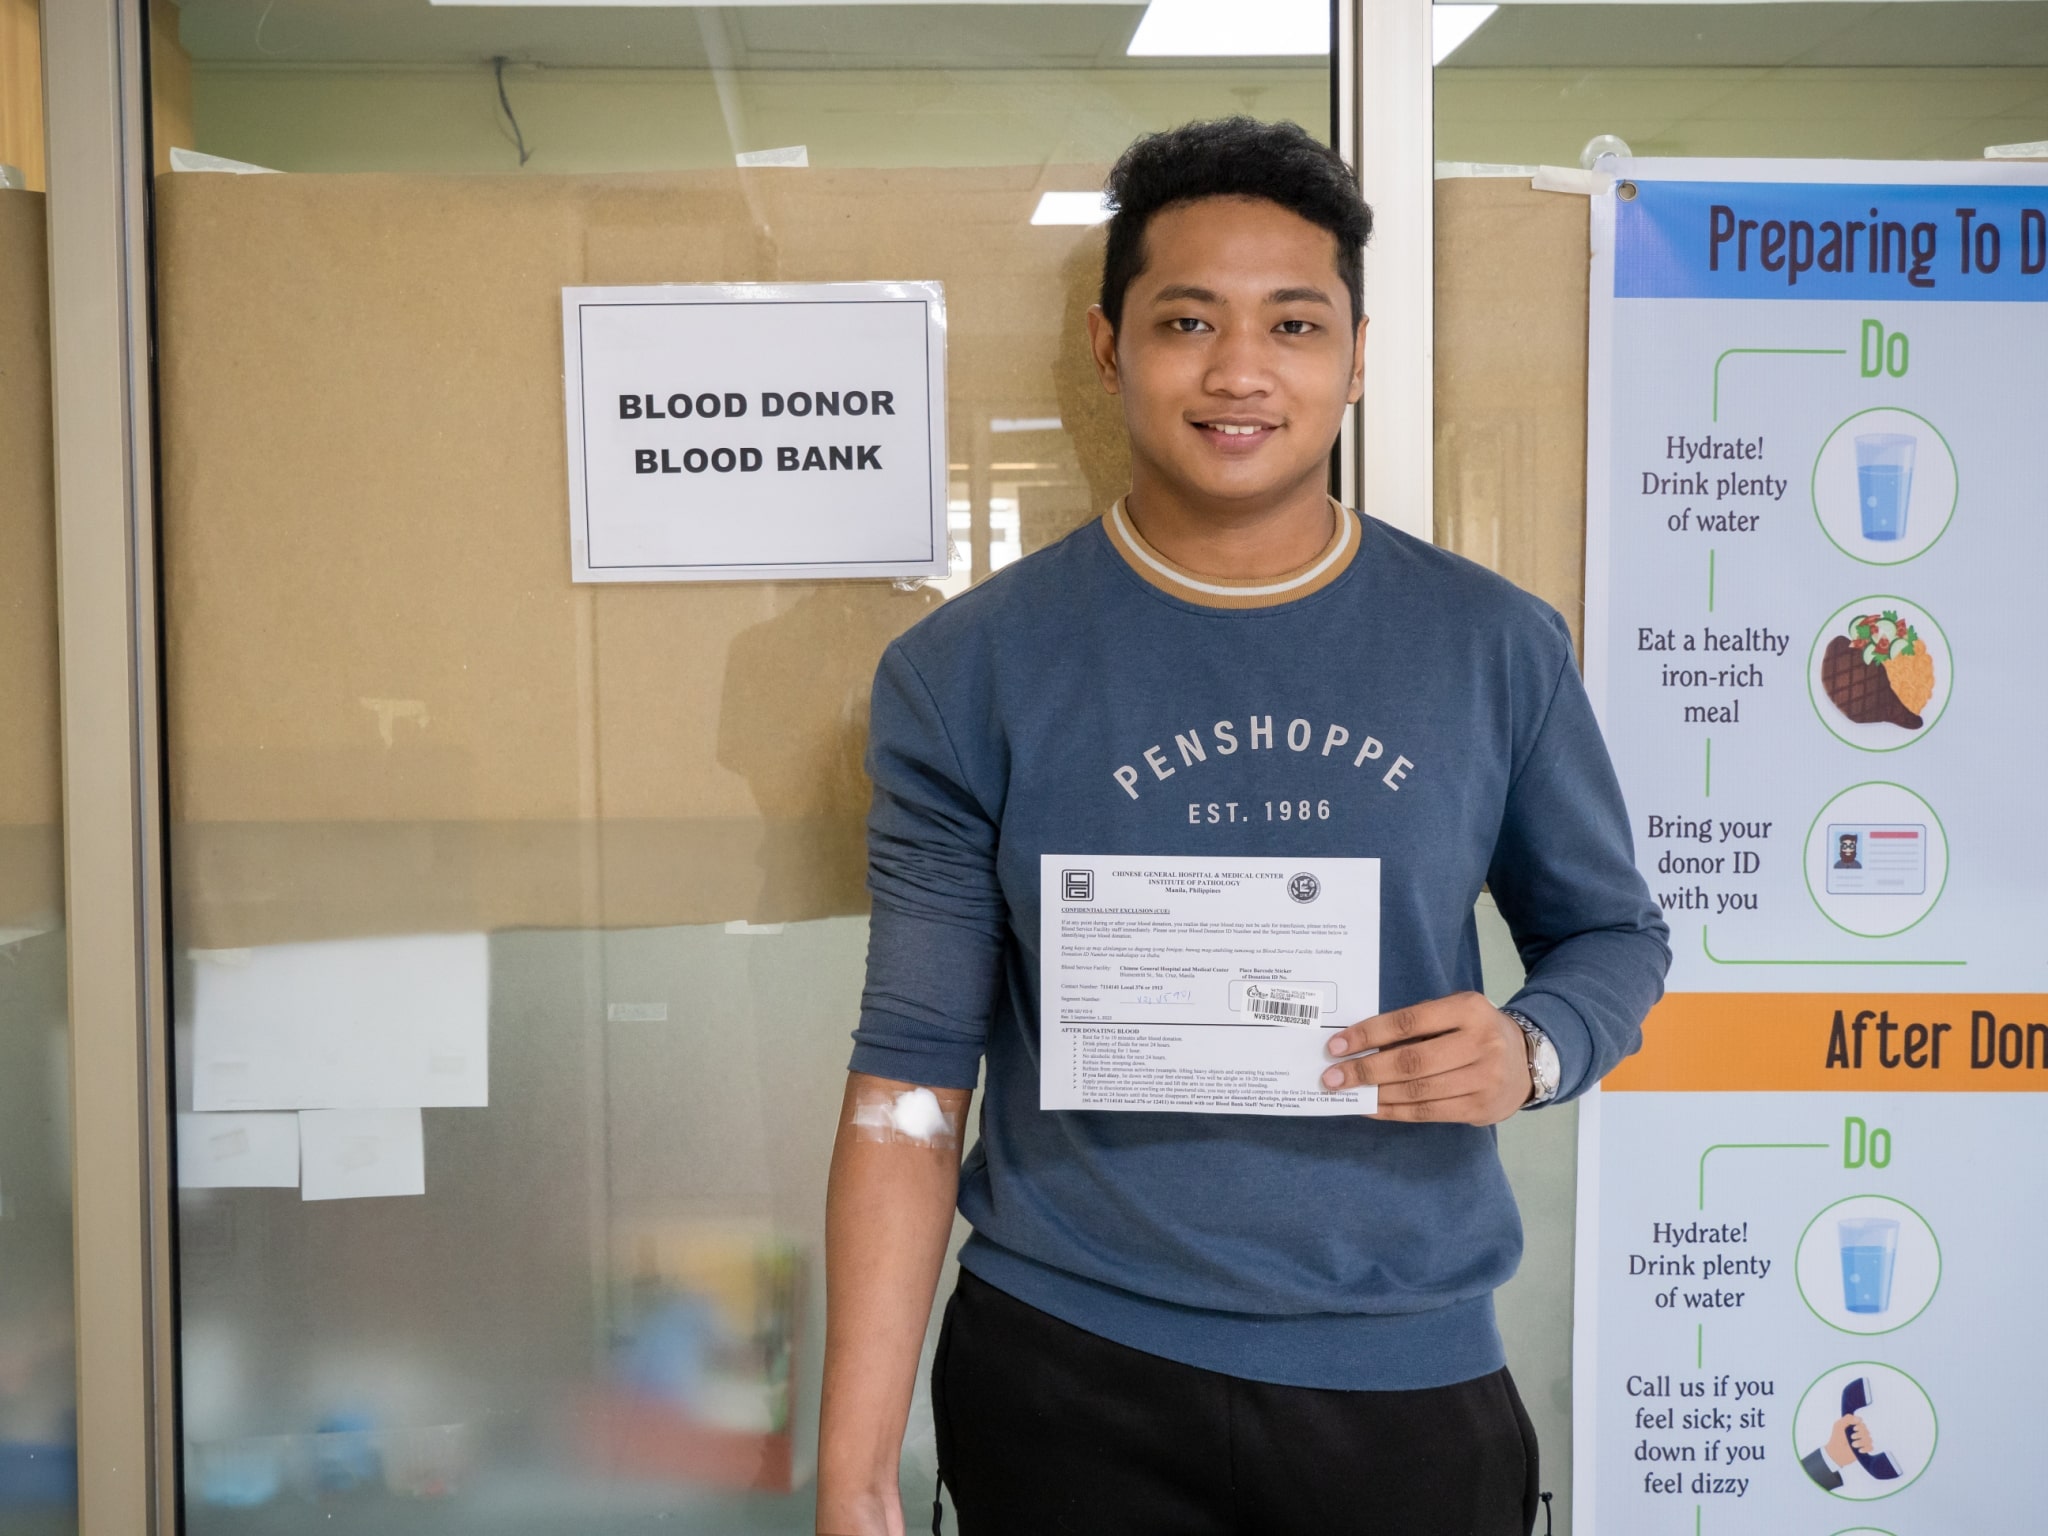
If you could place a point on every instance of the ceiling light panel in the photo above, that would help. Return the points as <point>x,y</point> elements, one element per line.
<point>1071,208</point>
<point>1232,29</point>
<point>1451,25</point>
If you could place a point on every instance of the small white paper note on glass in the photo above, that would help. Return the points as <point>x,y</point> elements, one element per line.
<point>354,1154</point>
<point>1207,986</point>
<point>238,1151</point>
<point>386,1023</point>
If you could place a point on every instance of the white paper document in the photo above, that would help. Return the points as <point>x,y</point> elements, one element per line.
<point>1203,985</point>
<point>238,1151</point>
<point>353,1154</point>
<point>384,1023</point>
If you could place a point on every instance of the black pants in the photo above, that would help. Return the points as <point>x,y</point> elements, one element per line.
<point>1044,1427</point>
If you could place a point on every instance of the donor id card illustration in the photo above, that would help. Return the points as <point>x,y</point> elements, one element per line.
<point>1877,860</point>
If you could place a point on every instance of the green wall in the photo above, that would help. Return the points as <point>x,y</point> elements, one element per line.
<point>1545,116</point>
<point>338,118</point>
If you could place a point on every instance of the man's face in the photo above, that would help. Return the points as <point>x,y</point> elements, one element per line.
<point>1236,357</point>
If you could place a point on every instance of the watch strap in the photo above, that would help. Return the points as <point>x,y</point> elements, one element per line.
<point>1542,1085</point>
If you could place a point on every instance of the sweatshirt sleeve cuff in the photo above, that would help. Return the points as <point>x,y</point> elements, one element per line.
<point>879,1050</point>
<point>1568,1032</point>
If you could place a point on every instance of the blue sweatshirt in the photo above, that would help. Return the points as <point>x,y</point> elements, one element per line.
<point>1093,698</point>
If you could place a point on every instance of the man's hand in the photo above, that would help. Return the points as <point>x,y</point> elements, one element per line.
<point>878,1513</point>
<point>1458,1059</point>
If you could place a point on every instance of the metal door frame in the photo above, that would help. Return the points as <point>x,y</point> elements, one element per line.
<point>96,133</point>
<point>1386,128</point>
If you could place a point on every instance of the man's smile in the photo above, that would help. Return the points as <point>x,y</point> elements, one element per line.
<point>1236,434</point>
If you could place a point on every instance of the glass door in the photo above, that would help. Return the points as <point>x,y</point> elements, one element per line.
<point>518,925</point>
<point>1520,87</point>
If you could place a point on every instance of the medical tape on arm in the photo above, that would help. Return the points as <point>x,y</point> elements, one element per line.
<point>911,1117</point>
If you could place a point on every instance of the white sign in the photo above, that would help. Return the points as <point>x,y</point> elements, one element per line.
<point>1203,985</point>
<point>756,432</point>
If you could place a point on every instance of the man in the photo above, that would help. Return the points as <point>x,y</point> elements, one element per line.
<point>1207,1324</point>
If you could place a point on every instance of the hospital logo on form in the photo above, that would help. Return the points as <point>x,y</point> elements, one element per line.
<point>1304,887</point>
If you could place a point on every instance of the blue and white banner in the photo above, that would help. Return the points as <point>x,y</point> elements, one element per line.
<point>1816,555</point>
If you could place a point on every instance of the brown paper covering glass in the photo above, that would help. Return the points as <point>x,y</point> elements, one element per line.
<point>1512,269</point>
<point>389,708</point>
<point>31,848</point>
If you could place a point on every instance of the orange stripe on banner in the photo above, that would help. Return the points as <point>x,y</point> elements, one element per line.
<point>1808,1042</point>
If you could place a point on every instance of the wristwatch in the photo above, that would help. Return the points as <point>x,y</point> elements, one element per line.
<point>1543,1067</point>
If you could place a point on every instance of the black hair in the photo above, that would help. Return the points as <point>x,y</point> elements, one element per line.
<point>1231,157</point>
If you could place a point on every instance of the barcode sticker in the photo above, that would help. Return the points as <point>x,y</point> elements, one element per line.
<point>1293,1013</point>
<point>1271,1002</point>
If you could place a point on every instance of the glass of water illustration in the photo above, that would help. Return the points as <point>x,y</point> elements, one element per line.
<point>1870,1247</point>
<point>1884,482</point>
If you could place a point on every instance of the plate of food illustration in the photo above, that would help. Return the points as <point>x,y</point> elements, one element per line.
<point>1879,673</point>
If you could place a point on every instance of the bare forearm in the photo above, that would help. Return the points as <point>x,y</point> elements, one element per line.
<point>888,1213</point>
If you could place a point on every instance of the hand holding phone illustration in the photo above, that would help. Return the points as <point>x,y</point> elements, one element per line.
<point>1849,1439</point>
